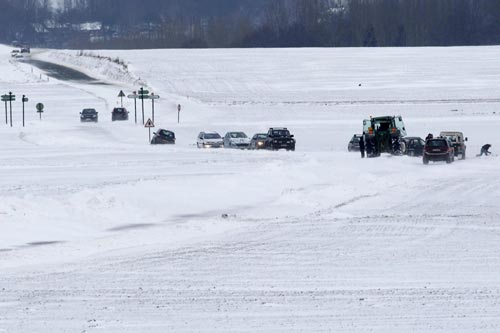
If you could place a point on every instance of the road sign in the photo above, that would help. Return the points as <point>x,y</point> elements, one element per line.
<point>121,94</point>
<point>25,99</point>
<point>39,107</point>
<point>143,92</point>
<point>179,108</point>
<point>153,96</point>
<point>149,124</point>
<point>8,98</point>
<point>134,95</point>
<point>144,97</point>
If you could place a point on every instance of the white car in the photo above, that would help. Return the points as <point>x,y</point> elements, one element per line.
<point>209,140</point>
<point>237,140</point>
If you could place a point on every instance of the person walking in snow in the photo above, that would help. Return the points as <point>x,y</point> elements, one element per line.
<point>429,136</point>
<point>362,146</point>
<point>484,150</point>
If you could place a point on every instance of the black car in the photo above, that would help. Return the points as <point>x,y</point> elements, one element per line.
<point>163,136</point>
<point>119,114</point>
<point>89,115</point>
<point>438,149</point>
<point>258,141</point>
<point>353,145</point>
<point>280,138</point>
<point>413,146</point>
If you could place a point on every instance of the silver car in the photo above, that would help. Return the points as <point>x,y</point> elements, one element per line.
<point>209,140</point>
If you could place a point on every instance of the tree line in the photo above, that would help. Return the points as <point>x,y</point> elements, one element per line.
<point>250,23</point>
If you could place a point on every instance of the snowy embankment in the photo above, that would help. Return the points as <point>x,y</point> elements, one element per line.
<point>102,230</point>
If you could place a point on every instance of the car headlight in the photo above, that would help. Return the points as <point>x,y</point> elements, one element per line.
<point>260,143</point>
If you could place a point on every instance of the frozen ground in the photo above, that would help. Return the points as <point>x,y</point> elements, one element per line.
<point>102,232</point>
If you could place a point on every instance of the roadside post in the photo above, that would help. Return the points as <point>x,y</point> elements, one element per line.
<point>153,97</point>
<point>179,114</point>
<point>39,109</point>
<point>121,95</point>
<point>143,94</point>
<point>25,100</point>
<point>134,96</point>
<point>149,125</point>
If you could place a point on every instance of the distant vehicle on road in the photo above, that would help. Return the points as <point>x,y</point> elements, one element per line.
<point>280,138</point>
<point>438,149</point>
<point>119,114</point>
<point>14,53</point>
<point>238,140</point>
<point>89,115</point>
<point>163,136</point>
<point>209,140</point>
<point>258,141</point>
<point>458,142</point>
<point>353,144</point>
<point>383,135</point>
<point>25,50</point>
<point>414,146</point>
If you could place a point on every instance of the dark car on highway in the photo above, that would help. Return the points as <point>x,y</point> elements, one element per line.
<point>119,114</point>
<point>353,145</point>
<point>280,138</point>
<point>89,115</point>
<point>438,149</point>
<point>162,137</point>
<point>258,141</point>
<point>413,146</point>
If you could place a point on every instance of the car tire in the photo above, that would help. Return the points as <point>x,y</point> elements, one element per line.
<point>198,145</point>
<point>449,160</point>
<point>463,155</point>
<point>425,160</point>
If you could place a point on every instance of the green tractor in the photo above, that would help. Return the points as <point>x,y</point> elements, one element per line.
<point>383,135</point>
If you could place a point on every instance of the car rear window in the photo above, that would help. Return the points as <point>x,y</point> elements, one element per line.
<point>119,110</point>
<point>436,143</point>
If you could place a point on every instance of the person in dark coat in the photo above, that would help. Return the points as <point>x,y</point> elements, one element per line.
<point>484,150</point>
<point>362,146</point>
<point>429,136</point>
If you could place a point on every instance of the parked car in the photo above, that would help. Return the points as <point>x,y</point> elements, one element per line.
<point>280,138</point>
<point>258,141</point>
<point>89,115</point>
<point>414,146</point>
<point>119,114</point>
<point>458,141</point>
<point>163,136</point>
<point>353,145</point>
<point>209,140</point>
<point>438,149</point>
<point>14,53</point>
<point>383,135</point>
<point>237,140</point>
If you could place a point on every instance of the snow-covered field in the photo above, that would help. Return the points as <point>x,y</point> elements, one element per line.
<point>99,231</point>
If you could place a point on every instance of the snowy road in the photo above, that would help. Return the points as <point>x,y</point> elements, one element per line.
<point>103,232</point>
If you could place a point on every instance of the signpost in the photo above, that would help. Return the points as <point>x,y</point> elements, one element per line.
<point>179,114</point>
<point>8,98</point>
<point>5,98</point>
<point>149,124</point>
<point>143,94</point>
<point>121,95</point>
<point>135,97</point>
<point>25,100</point>
<point>153,97</point>
<point>39,109</point>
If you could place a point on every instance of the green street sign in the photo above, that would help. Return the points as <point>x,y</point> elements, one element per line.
<point>8,98</point>
<point>144,97</point>
<point>25,99</point>
<point>143,92</point>
<point>40,107</point>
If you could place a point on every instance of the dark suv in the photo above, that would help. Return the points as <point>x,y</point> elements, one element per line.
<point>279,138</point>
<point>438,149</point>
<point>89,115</point>
<point>119,114</point>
